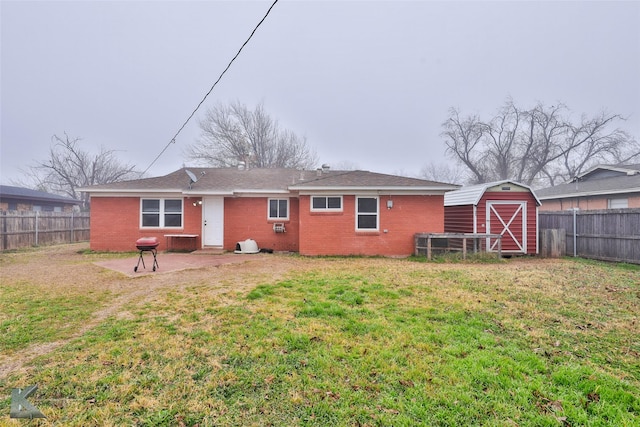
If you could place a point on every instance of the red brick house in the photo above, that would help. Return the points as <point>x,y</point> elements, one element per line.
<point>319,212</point>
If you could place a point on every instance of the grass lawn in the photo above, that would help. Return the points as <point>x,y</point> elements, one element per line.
<point>325,341</point>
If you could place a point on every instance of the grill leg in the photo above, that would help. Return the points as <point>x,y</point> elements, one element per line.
<point>140,258</point>
<point>155,260</point>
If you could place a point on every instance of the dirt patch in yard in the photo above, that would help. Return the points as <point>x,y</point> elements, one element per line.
<point>69,269</point>
<point>172,262</point>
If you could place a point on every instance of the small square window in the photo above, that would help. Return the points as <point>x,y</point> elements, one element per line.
<point>621,203</point>
<point>334,202</point>
<point>278,209</point>
<point>326,203</point>
<point>319,202</point>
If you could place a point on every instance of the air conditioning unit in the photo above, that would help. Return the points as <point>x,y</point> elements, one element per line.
<point>278,227</point>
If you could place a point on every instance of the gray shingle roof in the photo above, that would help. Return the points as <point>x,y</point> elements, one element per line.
<point>367,180</point>
<point>233,180</point>
<point>605,171</point>
<point>11,192</point>
<point>593,187</point>
<point>600,180</point>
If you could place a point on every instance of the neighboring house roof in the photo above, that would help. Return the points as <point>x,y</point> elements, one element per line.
<point>472,194</point>
<point>229,181</point>
<point>601,180</point>
<point>20,193</point>
<point>609,171</point>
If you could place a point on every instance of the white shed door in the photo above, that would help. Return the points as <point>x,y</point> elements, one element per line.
<point>213,221</point>
<point>508,218</point>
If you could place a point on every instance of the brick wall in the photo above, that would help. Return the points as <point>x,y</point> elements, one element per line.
<point>115,224</point>
<point>587,203</point>
<point>246,218</point>
<point>334,233</point>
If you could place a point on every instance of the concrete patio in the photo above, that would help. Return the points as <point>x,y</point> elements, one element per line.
<point>172,261</point>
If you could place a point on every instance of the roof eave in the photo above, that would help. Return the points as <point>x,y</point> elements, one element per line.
<point>590,193</point>
<point>612,168</point>
<point>129,190</point>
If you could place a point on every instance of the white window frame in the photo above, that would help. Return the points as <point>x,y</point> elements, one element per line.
<point>161,213</point>
<point>377,213</point>
<point>326,209</point>
<point>278,218</point>
<point>613,202</point>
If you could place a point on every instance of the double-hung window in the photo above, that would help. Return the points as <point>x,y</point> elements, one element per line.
<point>161,213</point>
<point>326,203</point>
<point>366,213</point>
<point>278,209</point>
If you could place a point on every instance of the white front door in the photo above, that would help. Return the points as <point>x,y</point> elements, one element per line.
<point>213,221</point>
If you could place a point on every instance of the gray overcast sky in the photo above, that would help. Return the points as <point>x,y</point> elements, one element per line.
<point>368,82</point>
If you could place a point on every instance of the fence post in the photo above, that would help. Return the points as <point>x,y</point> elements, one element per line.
<point>575,232</point>
<point>72,225</point>
<point>5,237</point>
<point>36,237</point>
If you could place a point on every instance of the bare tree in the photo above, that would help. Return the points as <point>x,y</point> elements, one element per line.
<point>69,167</point>
<point>443,172</point>
<point>233,133</point>
<point>541,145</point>
<point>464,140</point>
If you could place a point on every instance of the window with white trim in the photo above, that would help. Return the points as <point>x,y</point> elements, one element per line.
<point>278,209</point>
<point>326,203</point>
<point>367,213</point>
<point>621,203</point>
<point>161,213</point>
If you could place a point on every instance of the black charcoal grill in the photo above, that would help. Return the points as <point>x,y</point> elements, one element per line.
<point>147,244</point>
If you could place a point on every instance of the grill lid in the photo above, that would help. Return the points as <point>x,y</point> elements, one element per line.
<point>147,242</point>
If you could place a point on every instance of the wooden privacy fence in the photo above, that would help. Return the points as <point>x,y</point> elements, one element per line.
<point>609,235</point>
<point>20,229</point>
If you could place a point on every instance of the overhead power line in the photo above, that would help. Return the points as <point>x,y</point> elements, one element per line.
<point>173,140</point>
